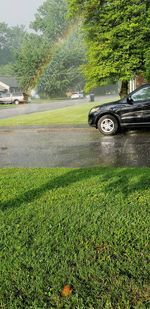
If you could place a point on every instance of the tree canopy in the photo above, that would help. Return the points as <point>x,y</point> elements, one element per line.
<point>50,58</point>
<point>10,41</point>
<point>118,38</point>
<point>32,56</point>
<point>63,72</point>
<point>50,19</point>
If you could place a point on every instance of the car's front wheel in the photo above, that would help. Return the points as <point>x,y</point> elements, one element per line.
<point>16,102</point>
<point>108,125</point>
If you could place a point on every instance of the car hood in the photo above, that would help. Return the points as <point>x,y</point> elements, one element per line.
<point>107,106</point>
<point>110,104</point>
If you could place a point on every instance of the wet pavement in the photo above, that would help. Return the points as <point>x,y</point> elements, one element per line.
<point>67,146</point>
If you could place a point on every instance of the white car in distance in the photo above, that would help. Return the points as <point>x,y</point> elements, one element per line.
<point>77,95</point>
<point>10,98</point>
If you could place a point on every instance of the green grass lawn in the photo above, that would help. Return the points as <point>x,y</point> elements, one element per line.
<point>5,106</point>
<point>83,227</point>
<point>48,100</point>
<point>70,115</point>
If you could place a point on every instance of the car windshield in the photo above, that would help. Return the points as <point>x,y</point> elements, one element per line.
<point>142,94</point>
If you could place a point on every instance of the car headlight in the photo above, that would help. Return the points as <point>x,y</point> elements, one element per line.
<point>94,109</point>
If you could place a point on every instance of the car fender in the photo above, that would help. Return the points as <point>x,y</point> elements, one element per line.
<point>107,113</point>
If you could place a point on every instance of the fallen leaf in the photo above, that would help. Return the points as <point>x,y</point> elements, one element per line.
<point>67,290</point>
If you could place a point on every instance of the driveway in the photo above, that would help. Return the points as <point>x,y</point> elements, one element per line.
<point>72,147</point>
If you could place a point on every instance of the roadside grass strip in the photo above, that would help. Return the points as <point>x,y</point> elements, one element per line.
<point>74,238</point>
<point>7,106</point>
<point>76,114</point>
<point>68,115</point>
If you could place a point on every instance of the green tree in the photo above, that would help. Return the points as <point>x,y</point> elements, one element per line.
<point>31,58</point>
<point>118,37</point>
<point>10,41</point>
<point>38,47</point>
<point>50,19</point>
<point>63,72</point>
<point>6,55</point>
<point>50,58</point>
<point>7,69</point>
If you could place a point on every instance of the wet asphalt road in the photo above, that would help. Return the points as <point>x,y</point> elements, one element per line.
<point>72,147</point>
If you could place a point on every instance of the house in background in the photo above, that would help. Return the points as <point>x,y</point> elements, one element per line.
<point>3,87</point>
<point>136,82</point>
<point>9,83</point>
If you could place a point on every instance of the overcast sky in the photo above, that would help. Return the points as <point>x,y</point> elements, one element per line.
<point>17,12</point>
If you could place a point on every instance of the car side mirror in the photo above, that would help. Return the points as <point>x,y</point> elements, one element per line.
<point>129,99</point>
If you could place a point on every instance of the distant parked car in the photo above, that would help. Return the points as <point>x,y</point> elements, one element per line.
<point>16,98</point>
<point>132,111</point>
<point>77,95</point>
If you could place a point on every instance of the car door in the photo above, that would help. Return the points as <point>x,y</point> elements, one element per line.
<point>142,97</point>
<point>136,109</point>
<point>131,113</point>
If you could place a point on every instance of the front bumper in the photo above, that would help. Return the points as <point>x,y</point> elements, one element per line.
<point>92,120</point>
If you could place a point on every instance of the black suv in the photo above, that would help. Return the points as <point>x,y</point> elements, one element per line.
<point>132,111</point>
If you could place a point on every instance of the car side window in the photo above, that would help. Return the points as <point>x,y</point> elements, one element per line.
<point>5,95</point>
<point>142,95</point>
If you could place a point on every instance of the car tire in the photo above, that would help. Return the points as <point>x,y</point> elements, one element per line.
<point>108,125</point>
<point>16,102</point>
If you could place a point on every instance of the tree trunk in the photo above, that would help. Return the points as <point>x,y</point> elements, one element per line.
<point>124,89</point>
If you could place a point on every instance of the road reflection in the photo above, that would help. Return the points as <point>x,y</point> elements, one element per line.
<point>72,147</point>
<point>127,149</point>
